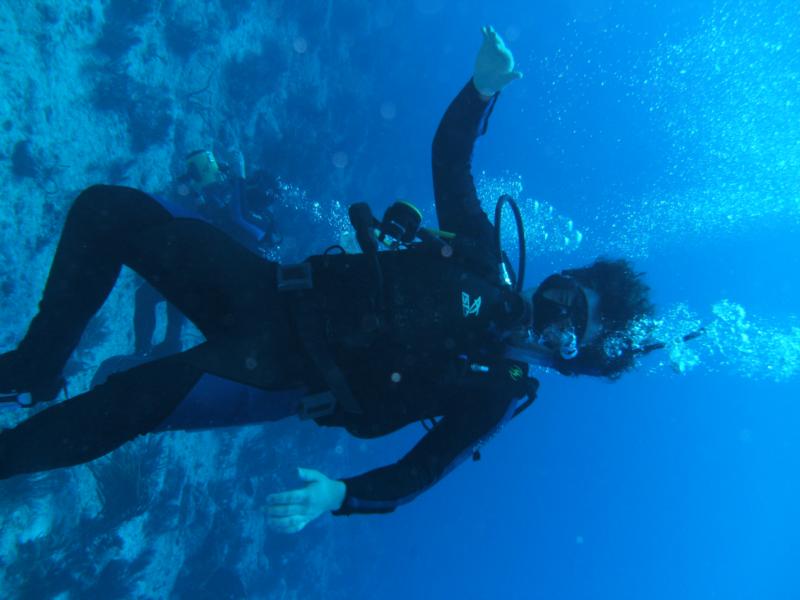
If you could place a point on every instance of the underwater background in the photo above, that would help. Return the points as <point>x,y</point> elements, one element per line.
<point>665,132</point>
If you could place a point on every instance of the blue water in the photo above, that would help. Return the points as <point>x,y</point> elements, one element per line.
<point>668,133</point>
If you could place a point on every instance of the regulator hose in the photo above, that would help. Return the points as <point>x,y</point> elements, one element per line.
<point>517,279</point>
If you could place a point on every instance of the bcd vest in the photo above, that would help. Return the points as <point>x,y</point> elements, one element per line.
<point>420,298</point>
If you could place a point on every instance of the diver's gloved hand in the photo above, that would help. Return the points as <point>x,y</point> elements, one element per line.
<point>494,67</point>
<point>289,512</point>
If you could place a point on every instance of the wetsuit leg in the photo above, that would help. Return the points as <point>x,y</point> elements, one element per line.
<point>90,425</point>
<point>84,270</point>
<point>227,291</point>
<point>221,286</point>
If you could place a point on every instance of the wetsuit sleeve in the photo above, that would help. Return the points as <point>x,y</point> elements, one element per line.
<point>453,440</point>
<point>457,205</point>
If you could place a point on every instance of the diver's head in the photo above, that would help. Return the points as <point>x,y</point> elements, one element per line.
<point>203,169</point>
<point>574,312</point>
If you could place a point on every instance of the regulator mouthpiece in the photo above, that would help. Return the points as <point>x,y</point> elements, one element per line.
<point>565,341</point>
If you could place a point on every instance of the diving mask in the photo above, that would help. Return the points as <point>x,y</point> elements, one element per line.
<point>560,315</point>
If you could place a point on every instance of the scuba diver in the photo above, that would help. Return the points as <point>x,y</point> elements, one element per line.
<point>238,203</point>
<point>224,195</point>
<point>428,329</point>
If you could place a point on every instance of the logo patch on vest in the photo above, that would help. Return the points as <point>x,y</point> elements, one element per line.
<point>470,308</point>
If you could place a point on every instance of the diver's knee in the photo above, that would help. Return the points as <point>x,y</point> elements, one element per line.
<point>95,198</point>
<point>120,204</point>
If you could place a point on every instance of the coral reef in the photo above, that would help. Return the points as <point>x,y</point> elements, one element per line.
<point>119,92</point>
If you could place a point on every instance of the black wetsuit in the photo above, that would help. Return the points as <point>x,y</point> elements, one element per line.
<point>413,366</point>
<point>239,208</point>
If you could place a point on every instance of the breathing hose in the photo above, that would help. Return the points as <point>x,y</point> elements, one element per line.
<point>517,279</point>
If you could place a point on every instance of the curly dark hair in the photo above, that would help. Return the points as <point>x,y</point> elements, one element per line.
<point>624,298</point>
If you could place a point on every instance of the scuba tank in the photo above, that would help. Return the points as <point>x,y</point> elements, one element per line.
<point>203,169</point>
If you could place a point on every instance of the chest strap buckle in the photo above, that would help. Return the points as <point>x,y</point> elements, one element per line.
<point>295,277</point>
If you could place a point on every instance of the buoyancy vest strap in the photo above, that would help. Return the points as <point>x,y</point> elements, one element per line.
<point>310,328</point>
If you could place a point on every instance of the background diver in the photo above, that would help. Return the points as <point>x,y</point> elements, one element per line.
<point>370,342</point>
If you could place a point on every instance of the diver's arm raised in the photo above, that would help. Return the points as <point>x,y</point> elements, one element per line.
<point>457,205</point>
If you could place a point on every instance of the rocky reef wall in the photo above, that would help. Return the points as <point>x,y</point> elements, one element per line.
<point>116,91</point>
